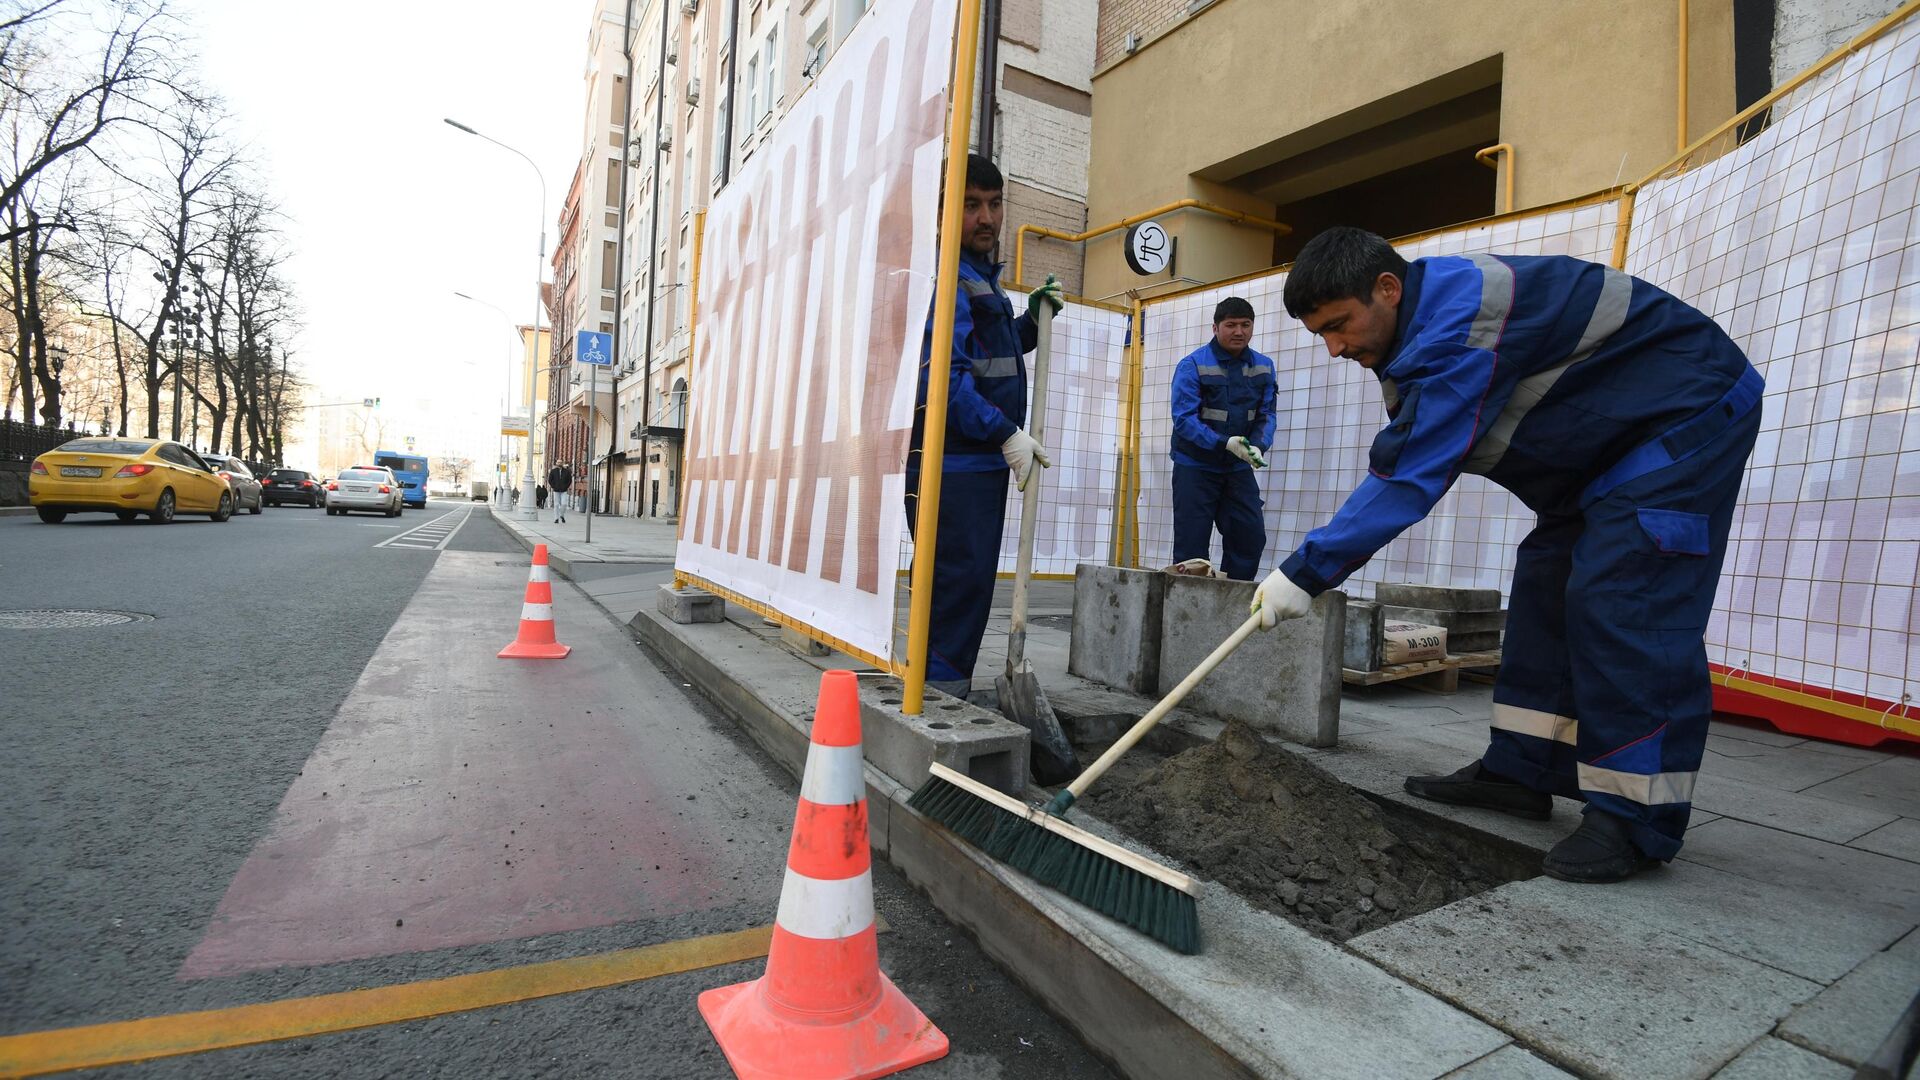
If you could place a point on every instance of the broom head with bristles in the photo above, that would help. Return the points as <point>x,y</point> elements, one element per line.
<point>1104,876</point>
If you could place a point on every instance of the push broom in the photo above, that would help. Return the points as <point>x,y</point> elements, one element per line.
<point>1034,840</point>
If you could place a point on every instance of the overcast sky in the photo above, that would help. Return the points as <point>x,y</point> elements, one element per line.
<point>390,210</point>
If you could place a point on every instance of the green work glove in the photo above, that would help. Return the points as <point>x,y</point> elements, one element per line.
<point>1239,447</point>
<point>1050,292</point>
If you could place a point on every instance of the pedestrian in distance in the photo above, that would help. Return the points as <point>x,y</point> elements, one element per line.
<point>986,439</point>
<point>1223,416</point>
<point>1623,418</point>
<point>560,481</point>
<point>540,496</point>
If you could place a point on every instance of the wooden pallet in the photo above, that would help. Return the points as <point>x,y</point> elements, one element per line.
<point>1441,675</point>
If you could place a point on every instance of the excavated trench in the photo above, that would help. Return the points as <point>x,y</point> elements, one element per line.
<point>1288,836</point>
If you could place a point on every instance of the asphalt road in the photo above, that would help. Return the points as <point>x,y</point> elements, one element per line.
<point>142,764</point>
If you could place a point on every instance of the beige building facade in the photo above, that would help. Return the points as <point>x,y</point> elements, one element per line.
<point>1372,115</point>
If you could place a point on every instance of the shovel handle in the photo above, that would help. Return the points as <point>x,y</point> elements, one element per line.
<point>1030,498</point>
<point>1139,730</point>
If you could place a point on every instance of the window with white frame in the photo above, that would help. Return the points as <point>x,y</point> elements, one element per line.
<point>753,89</point>
<point>772,53</point>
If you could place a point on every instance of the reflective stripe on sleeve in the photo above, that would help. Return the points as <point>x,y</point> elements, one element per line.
<point>1209,369</point>
<point>1214,414</point>
<point>1496,302</point>
<point>996,367</point>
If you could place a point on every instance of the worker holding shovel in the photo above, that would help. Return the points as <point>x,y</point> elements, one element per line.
<point>986,440</point>
<point>1621,416</point>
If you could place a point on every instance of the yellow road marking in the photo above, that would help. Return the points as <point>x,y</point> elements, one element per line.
<point>42,1052</point>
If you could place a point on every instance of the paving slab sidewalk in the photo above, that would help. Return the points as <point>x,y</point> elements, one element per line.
<point>1797,896</point>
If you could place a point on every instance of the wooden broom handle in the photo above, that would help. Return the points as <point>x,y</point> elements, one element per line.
<point>1139,731</point>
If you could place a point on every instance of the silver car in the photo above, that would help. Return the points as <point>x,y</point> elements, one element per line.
<point>246,489</point>
<point>366,487</point>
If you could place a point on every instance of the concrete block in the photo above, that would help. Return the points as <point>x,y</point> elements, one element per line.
<point>1850,1019</point>
<point>1466,643</point>
<point>802,644</point>
<point>965,738</point>
<point>1788,811</point>
<point>1437,597</point>
<point>1361,636</point>
<point>1892,786</point>
<point>1612,996</point>
<point>1116,626</point>
<point>1456,622</point>
<point>1285,682</point>
<point>1771,1059</point>
<point>690,605</point>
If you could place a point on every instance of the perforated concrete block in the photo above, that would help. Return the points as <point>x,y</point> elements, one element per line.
<point>965,738</point>
<point>690,605</point>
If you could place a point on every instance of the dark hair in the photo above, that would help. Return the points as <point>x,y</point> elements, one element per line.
<point>1231,308</point>
<point>984,174</point>
<point>1339,264</point>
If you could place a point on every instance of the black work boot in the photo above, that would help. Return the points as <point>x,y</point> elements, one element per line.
<point>1476,786</point>
<point>1599,852</point>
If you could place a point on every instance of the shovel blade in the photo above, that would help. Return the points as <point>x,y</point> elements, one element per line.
<point>1023,702</point>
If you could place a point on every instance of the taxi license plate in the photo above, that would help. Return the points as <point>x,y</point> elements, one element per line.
<point>79,470</point>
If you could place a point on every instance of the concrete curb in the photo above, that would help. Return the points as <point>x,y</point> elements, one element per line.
<point>1265,999</point>
<point>15,511</point>
<point>561,557</point>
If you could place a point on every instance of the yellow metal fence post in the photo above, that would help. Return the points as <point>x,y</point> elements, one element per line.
<point>1136,361</point>
<point>940,353</point>
<point>693,347</point>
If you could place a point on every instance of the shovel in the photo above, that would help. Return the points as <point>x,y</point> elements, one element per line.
<point>1021,699</point>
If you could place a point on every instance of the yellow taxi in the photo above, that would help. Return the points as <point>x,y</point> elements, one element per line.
<point>127,477</point>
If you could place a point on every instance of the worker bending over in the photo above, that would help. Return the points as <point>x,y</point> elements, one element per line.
<point>1223,406</point>
<point>1623,418</point>
<point>986,414</point>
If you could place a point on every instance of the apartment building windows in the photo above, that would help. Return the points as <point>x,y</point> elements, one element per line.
<point>753,89</point>
<point>772,55</point>
<point>609,266</point>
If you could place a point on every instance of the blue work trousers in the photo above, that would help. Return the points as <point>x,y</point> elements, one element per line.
<point>966,558</point>
<point>1603,692</point>
<point>1203,499</point>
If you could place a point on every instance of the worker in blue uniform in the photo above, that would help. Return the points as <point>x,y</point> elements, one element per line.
<point>1223,410</point>
<point>1623,418</point>
<point>986,439</point>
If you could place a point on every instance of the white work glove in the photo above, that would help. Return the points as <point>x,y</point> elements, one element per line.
<point>1277,600</point>
<point>1022,451</point>
<point>1239,447</point>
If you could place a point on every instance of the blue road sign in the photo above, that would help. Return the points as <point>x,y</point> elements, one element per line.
<point>592,347</point>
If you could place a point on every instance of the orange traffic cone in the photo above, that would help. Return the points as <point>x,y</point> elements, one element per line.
<point>824,1009</point>
<point>536,617</point>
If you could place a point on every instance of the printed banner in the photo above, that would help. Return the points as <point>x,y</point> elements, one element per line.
<point>816,278</point>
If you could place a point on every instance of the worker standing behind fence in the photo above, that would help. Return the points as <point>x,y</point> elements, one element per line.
<point>1223,412</point>
<point>1623,418</point>
<point>985,439</point>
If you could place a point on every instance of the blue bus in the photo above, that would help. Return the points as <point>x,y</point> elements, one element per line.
<point>410,470</point>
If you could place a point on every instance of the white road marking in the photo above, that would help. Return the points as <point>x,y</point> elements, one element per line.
<point>433,536</point>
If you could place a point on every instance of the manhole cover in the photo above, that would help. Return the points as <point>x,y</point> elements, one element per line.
<point>65,619</point>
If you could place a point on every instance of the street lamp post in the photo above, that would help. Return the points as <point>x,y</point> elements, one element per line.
<point>507,401</point>
<point>527,510</point>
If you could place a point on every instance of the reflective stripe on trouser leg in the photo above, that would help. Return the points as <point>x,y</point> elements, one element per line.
<point>1637,617</point>
<point>1243,526</point>
<point>973,513</point>
<point>1196,497</point>
<point>1532,738</point>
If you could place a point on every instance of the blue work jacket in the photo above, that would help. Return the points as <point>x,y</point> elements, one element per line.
<point>1539,373</point>
<point>1216,396</point>
<point>987,386</point>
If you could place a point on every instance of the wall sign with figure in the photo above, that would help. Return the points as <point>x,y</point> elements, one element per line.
<point>1149,249</point>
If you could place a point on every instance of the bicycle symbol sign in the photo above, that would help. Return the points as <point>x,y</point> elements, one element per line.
<point>592,347</point>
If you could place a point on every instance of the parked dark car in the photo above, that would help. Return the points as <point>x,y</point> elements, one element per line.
<point>293,486</point>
